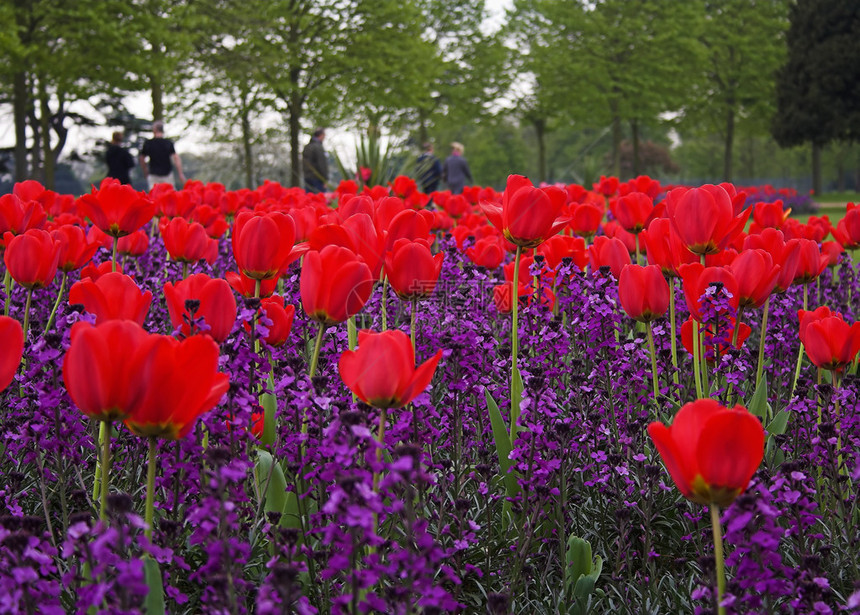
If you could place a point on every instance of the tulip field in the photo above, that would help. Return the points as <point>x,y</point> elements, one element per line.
<point>620,398</point>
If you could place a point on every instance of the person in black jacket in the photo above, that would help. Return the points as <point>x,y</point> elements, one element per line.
<point>314,163</point>
<point>429,170</point>
<point>162,158</point>
<point>119,160</point>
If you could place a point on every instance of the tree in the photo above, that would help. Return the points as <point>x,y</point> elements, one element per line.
<point>819,85</point>
<point>56,53</point>
<point>616,61</point>
<point>744,42</point>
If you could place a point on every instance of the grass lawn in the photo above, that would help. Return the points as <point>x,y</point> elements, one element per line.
<point>834,211</point>
<point>837,197</point>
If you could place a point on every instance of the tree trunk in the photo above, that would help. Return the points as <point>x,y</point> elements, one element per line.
<point>423,136</point>
<point>540,133</point>
<point>157,93</point>
<point>295,108</point>
<point>36,130</point>
<point>730,143</point>
<point>634,130</point>
<point>246,147</point>
<point>616,139</point>
<point>19,104</point>
<point>45,128</point>
<point>816,168</point>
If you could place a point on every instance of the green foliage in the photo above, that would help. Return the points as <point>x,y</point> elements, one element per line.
<point>581,574</point>
<point>383,161</point>
<point>818,86</point>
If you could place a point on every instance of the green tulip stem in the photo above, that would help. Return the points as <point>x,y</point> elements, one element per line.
<point>317,347</point>
<point>384,304</point>
<point>27,312</point>
<point>150,487</point>
<point>718,556</point>
<point>797,369</point>
<point>738,322</point>
<point>636,242</point>
<point>653,353</point>
<point>805,297</point>
<point>113,256</point>
<point>7,284</point>
<point>696,364</point>
<point>836,412</point>
<point>185,275</point>
<point>760,368</point>
<point>57,302</point>
<point>380,438</point>
<point>412,324</point>
<point>515,343</point>
<point>105,427</point>
<point>672,328</point>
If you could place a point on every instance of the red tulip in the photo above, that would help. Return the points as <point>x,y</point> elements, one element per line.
<point>403,186</point>
<point>263,244</point>
<point>412,269</point>
<point>133,244</point>
<point>381,371</point>
<point>282,319</point>
<point>113,296</point>
<point>614,230</point>
<point>94,272</point>
<point>607,185</point>
<point>696,280</point>
<point>75,250</point>
<point>188,242</point>
<point>17,216</point>
<point>830,342</point>
<point>409,224</point>
<point>785,254</point>
<point>643,292</point>
<point>115,208</point>
<point>528,216</point>
<point>217,305</point>
<point>488,252</point>
<point>32,258</point>
<point>105,368</point>
<point>558,247</point>
<point>246,287</point>
<point>182,383</point>
<point>663,247</point>
<point>770,215</point>
<point>811,262</point>
<point>704,218</point>
<point>756,275</point>
<point>633,211</point>
<point>711,451</point>
<point>585,219</point>
<point>715,343</point>
<point>805,317</point>
<point>606,252</point>
<point>832,250</point>
<point>335,284</point>
<point>12,344</point>
<point>848,229</point>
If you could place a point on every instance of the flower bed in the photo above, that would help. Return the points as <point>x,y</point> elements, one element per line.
<point>193,433</point>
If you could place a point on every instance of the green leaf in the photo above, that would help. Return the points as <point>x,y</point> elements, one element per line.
<point>503,445</point>
<point>270,404</point>
<point>758,403</point>
<point>516,399</point>
<point>154,601</point>
<point>272,487</point>
<point>778,424</point>
<point>579,562</point>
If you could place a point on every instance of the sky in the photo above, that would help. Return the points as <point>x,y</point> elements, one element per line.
<point>190,138</point>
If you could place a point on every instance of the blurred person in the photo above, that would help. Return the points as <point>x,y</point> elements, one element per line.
<point>314,163</point>
<point>429,170</point>
<point>162,158</point>
<point>455,171</point>
<point>119,160</point>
